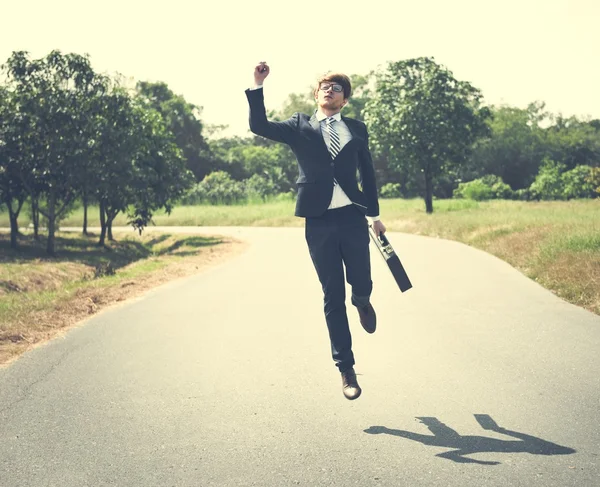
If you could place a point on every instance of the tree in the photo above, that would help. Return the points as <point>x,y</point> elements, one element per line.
<point>296,102</point>
<point>114,147</point>
<point>573,142</point>
<point>183,120</point>
<point>360,96</point>
<point>424,119</point>
<point>51,94</point>
<point>12,191</point>
<point>160,176</point>
<point>514,149</point>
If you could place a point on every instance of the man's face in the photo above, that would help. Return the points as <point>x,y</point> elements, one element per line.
<point>330,96</point>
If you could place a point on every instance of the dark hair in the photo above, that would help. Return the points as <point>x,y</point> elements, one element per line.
<point>339,78</point>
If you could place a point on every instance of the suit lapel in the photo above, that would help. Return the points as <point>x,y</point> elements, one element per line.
<point>350,123</point>
<point>316,125</point>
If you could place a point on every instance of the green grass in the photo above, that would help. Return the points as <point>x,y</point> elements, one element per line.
<point>279,213</point>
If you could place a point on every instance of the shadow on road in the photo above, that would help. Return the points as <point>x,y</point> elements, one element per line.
<point>466,445</point>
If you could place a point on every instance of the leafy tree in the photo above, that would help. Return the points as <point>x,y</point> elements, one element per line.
<point>514,149</point>
<point>51,94</point>
<point>390,190</point>
<point>241,158</point>
<point>224,153</point>
<point>12,191</point>
<point>360,96</point>
<point>113,153</point>
<point>424,119</point>
<point>183,120</point>
<point>296,102</point>
<point>160,177</point>
<point>573,142</point>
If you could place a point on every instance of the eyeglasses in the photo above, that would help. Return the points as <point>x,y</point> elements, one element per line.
<point>334,86</point>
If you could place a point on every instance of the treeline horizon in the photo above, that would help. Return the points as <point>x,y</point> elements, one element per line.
<point>69,135</point>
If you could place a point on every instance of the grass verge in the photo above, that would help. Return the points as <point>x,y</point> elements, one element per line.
<point>40,297</point>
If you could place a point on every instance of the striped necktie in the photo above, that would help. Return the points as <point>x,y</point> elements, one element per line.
<point>334,138</point>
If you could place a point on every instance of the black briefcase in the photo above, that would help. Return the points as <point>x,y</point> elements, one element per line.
<point>391,259</point>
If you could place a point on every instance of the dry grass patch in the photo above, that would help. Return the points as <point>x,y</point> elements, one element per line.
<point>403,225</point>
<point>38,275</point>
<point>520,249</point>
<point>489,232</point>
<point>574,279</point>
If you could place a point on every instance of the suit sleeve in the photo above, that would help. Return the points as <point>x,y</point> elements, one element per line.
<point>259,125</point>
<point>366,171</point>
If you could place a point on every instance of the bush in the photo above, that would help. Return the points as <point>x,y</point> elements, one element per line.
<point>474,190</point>
<point>390,190</point>
<point>503,191</point>
<point>289,196</point>
<point>524,195</point>
<point>216,188</point>
<point>554,182</point>
<point>259,187</point>
<point>594,180</point>
<point>577,183</point>
<point>548,184</point>
<point>485,188</point>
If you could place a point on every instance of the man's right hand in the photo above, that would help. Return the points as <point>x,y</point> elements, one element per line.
<point>261,72</point>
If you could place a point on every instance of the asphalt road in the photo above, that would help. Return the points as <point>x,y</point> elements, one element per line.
<point>475,377</point>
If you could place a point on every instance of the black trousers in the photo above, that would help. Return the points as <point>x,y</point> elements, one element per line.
<point>338,239</point>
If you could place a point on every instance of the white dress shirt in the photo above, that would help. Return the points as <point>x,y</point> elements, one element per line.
<point>339,197</point>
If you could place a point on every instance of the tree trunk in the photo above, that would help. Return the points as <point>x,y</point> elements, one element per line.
<point>35,217</point>
<point>110,218</point>
<point>14,228</point>
<point>428,192</point>
<point>85,213</point>
<point>51,216</point>
<point>102,225</point>
<point>13,216</point>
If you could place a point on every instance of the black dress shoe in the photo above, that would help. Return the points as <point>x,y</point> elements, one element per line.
<point>368,319</point>
<point>350,385</point>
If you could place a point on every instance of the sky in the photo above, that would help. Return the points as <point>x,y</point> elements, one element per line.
<point>514,51</point>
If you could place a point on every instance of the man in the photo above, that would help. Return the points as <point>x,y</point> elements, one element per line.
<point>330,149</point>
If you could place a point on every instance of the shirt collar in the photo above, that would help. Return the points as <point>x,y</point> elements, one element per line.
<point>321,116</point>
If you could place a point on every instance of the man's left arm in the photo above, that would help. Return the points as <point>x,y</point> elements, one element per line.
<point>366,170</point>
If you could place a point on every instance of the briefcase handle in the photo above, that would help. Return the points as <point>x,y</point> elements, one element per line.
<point>382,243</point>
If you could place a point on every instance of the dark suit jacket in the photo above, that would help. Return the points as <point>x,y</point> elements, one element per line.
<point>316,167</point>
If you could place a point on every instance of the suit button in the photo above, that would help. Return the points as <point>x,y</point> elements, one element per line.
<point>332,164</point>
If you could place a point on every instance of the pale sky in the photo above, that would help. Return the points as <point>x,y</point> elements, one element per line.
<point>515,51</point>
